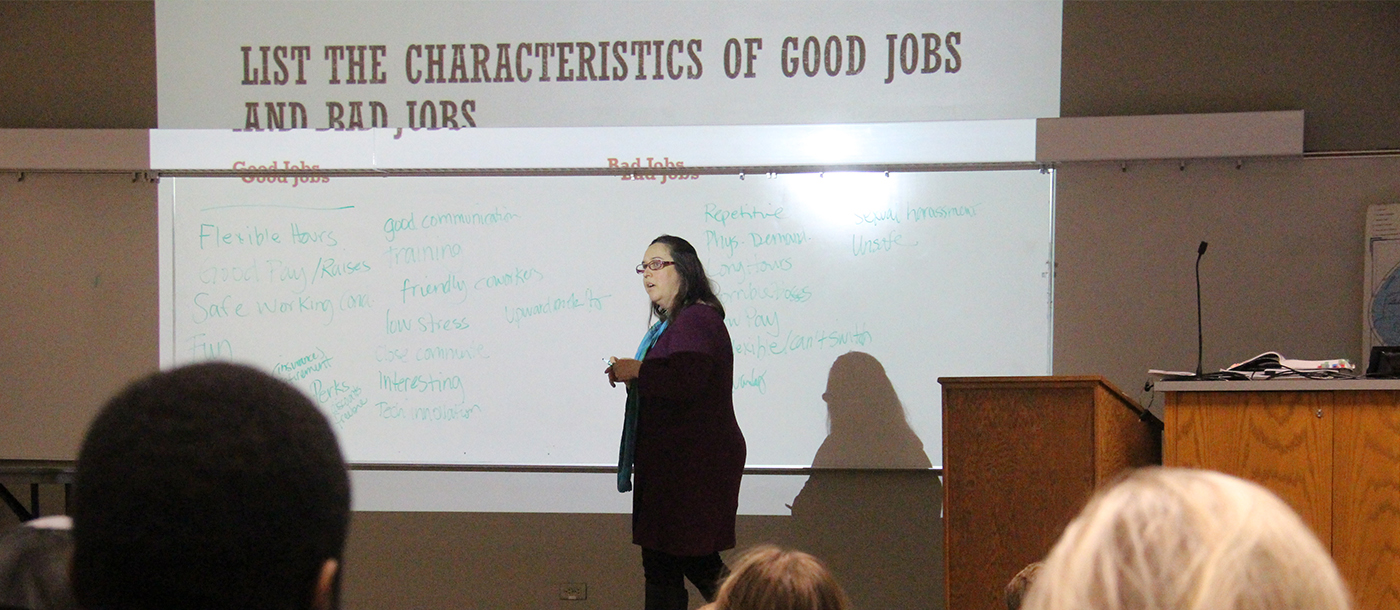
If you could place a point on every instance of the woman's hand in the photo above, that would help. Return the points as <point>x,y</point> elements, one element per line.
<point>624,370</point>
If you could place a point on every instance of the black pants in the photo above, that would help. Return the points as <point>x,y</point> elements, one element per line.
<point>666,574</point>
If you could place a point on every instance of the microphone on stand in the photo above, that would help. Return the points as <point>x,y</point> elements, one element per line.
<point>1200,340</point>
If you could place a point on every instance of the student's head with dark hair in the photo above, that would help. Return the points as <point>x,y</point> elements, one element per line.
<point>694,283</point>
<point>209,487</point>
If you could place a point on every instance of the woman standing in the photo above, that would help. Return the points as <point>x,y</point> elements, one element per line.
<point>680,438</point>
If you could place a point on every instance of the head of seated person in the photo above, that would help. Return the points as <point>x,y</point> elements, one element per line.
<point>1178,539</point>
<point>770,578</point>
<point>34,559</point>
<point>1016,588</point>
<point>211,487</point>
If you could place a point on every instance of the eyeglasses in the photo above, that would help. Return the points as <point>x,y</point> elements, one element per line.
<point>654,264</point>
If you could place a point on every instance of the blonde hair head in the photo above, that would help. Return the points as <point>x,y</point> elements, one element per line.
<point>1178,539</point>
<point>769,578</point>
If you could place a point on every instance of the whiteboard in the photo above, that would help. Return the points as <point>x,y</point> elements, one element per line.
<point>463,320</point>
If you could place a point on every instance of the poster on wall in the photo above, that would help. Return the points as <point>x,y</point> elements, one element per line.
<point>458,65</point>
<point>1381,303</point>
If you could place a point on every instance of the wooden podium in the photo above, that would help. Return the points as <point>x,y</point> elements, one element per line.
<point>1331,449</point>
<point>1021,455</point>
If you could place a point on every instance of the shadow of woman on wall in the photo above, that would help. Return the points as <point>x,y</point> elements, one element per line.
<point>871,509</point>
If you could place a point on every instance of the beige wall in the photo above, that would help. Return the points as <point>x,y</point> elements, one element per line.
<point>79,309</point>
<point>78,65</point>
<point>881,533</point>
<point>1334,60</point>
<point>1283,272</point>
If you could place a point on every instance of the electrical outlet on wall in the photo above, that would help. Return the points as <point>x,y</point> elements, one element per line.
<point>573,591</point>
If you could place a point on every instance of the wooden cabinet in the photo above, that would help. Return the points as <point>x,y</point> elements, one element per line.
<point>1021,455</point>
<point>1331,449</point>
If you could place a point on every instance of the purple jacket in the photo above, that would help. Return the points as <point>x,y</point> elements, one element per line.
<point>690,451</point>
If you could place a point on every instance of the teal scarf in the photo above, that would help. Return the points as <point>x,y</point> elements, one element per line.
<point>628,451</point>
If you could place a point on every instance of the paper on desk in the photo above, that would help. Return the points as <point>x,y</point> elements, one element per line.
<point>1275,361</point>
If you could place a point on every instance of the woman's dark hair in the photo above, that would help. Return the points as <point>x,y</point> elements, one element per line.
<point>695,285</point>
